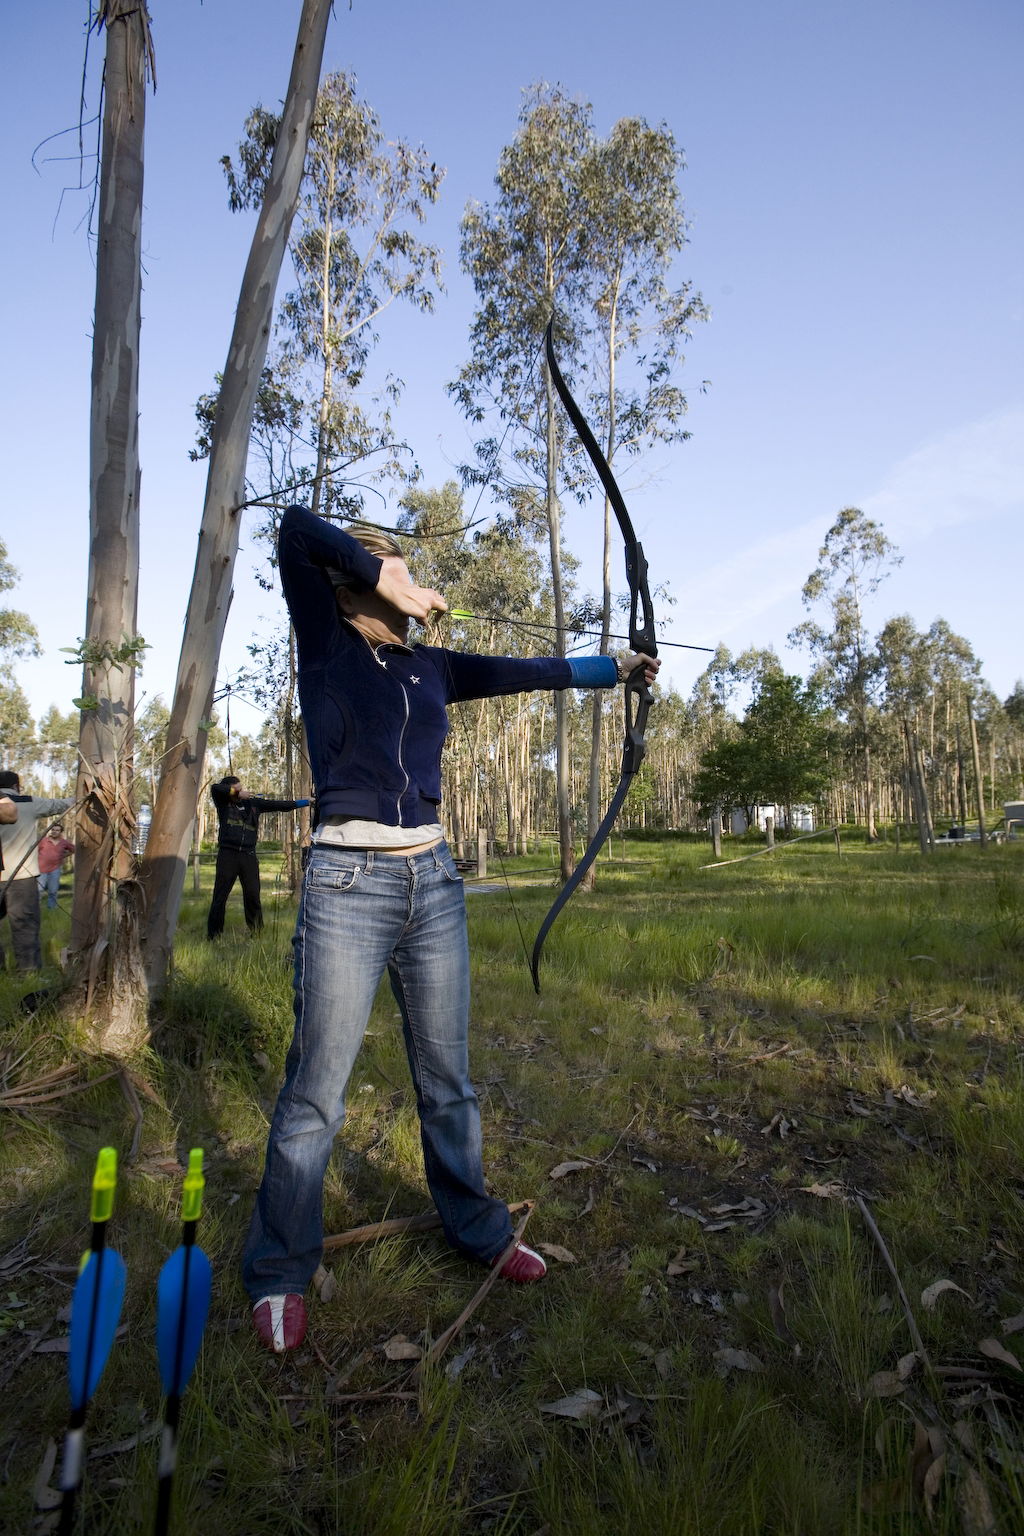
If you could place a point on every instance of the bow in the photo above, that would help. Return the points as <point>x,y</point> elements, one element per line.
<point>638,696</point>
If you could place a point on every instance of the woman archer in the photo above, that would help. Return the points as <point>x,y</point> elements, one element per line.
<point>380,892</point>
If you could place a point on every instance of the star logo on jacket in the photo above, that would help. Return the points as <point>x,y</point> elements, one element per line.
<point>414,679</point>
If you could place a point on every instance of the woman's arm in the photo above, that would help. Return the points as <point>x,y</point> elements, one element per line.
<point>470,676</point>
<point>308,548</point>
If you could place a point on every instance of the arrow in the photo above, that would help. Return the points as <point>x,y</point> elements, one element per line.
<point>594,634</point>
<point>182,1303</point>
<point>95,1310</point>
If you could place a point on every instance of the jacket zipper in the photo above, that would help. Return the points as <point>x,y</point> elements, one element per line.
<point>401,735</point>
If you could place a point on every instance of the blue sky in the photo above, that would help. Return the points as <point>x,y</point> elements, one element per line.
<point>854,187</point>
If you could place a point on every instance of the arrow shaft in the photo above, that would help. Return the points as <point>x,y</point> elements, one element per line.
<point>592,634</point>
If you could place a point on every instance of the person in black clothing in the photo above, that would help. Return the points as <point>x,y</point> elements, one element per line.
<point>239,813</point>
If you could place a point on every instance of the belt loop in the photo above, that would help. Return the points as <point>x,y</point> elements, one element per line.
<point>369,861</point>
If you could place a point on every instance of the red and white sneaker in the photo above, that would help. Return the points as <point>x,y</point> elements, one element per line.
<point>280,1322</point>
<point>523,1266</point>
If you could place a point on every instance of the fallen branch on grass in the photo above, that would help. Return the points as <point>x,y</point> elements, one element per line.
<point>439,1345</point>
<point>775,848</point>
<point>396,1226</point>
<point>47,1088</point>
<point>915,1332</point>
<point>425,1223</point>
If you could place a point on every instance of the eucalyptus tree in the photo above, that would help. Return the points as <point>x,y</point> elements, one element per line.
<point>18,635</point>
<point>526,256</point>
<point>104,913</point>
<point>789,732</point>
<point>636,230</point>
<point>17,732</point>
<point>18,638</point>
<point>354,252</point>
<point>927,683</point>
<point>150,745</point>
<point>494,580</point>
<point>671,757</point>
<point>778,755</point>
<point>711,695</point>
<point>563,235</point>
<point>278,445</point>
<point>853,561</point>
<point>57,734</point>
<point>1013,710</point>
<point>905,676</point>
<point>163,868</point>
<point>956,687</point>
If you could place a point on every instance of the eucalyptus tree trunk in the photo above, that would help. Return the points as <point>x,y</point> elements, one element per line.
<point>979,782</point>
<point>597,701</point>
<point>327,382</point>
<point>919,790</point>
<point>104,917</point>
<point>166,849</point>
<point>565,848</point>
<point>869,797</point>
<point>961,782</point>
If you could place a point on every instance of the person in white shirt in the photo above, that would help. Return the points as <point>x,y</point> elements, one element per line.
<point>20,879</point>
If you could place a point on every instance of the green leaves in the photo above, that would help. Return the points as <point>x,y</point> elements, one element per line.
<point>107,654</point>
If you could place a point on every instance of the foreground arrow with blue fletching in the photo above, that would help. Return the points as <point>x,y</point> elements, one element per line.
<point>183,1301</point>
<point>95,1310</point>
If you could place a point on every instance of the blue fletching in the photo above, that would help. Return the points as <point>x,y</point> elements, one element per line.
<point>94,1322</point>
<point>184,1282</point>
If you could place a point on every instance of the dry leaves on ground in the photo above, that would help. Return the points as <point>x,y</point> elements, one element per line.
<point>995,1351</point>
<point>777,1310</point>
<point>325,1282</point>
<point>401,1348</point>
<point>563,1169</point>
<point>892,1383</point>
<point>581,1404</point>
<point>779,1123</point>
<point>557,1252</point>
<point>681,1264</point>
<point>931,1293</point>
<point>736,1360</point>
<point>620,1408</point>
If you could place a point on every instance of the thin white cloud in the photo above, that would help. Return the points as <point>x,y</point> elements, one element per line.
<point>969,476</point>
<point>728,598</point>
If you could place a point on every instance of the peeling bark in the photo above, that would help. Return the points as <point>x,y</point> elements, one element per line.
<point>163,868</point>
<point>104,951</point>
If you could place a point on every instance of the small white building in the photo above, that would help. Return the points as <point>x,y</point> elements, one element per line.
<point>802,819</point>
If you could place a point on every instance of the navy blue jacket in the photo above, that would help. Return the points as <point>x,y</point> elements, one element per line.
<point>375,716</point>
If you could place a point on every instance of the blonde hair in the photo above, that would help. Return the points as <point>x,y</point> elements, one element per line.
<point>377,540</point>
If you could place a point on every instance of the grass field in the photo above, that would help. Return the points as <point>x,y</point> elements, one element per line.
<point>745,1098</point>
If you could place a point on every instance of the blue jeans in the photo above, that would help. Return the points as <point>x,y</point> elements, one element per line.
<point>49,886</point>
<point>363,912</point>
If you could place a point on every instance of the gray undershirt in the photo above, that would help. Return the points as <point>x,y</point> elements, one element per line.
<point>351,832</point>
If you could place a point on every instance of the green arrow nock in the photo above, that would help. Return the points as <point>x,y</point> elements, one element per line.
<point>104,1181</point>
<point>192,1189</point>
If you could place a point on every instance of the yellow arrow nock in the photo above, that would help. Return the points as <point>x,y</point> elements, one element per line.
<point>104,1181</point>
<point>192,1189</point>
